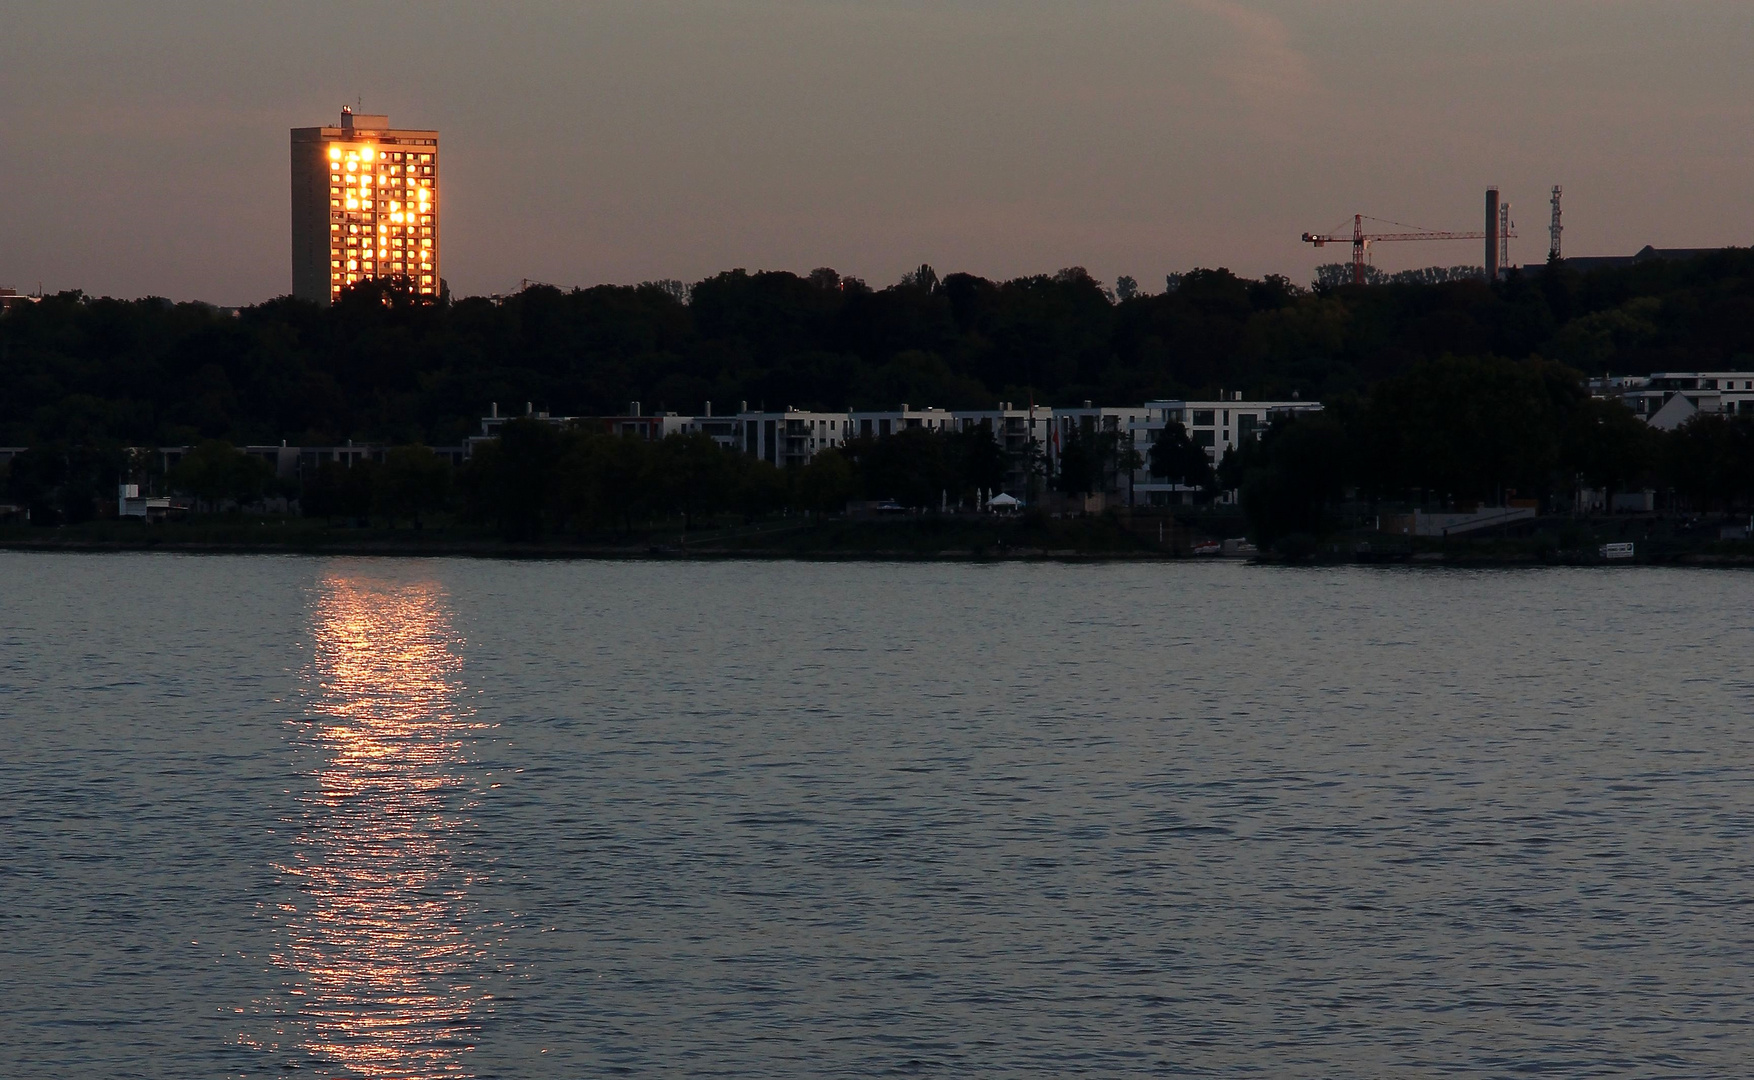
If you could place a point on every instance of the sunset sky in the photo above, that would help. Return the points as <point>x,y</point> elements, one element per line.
<point>145,146</point>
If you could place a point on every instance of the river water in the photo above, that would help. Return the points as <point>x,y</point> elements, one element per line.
<point>451,818</point>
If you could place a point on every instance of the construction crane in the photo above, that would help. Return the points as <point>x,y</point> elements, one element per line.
<point>1362,240</point>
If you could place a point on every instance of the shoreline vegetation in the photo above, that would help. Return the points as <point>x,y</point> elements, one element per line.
<point>927,538</point>
<point>1444,395</point>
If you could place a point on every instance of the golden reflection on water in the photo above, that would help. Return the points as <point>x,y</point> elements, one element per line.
<point>380,938</point>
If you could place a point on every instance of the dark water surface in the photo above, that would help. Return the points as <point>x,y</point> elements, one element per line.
<point>479,819</point>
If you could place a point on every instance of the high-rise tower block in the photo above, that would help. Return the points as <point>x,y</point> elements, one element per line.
<point>364,206</point>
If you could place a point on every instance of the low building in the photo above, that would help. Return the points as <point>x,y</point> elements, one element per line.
<point>790,438</point>
<point>10,299</point>
<point>1648,253</point>
<point>1668,399</point>
<point>493,421</point>
<point>724,430</point>
<point>131,504</point>
<point>292,462</point>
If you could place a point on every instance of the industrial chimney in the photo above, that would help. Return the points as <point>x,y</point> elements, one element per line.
<point>1491,234</point>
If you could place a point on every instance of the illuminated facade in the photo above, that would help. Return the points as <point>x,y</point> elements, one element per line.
<point>364,205</point>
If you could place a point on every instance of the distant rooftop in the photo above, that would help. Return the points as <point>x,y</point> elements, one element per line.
<point>1649,253</point>
<point>352,121</point>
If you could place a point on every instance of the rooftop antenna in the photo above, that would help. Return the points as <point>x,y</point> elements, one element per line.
<point>1554,229</point>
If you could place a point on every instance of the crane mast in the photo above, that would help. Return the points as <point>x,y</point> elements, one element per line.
<point>1498,233</point>
<point>1362,240</point>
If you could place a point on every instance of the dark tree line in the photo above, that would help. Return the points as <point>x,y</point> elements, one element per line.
<point>538,480</point>
<point>1461,431</point>
<point>378,366</point>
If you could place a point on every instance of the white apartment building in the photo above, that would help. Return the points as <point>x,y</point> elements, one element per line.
<point>1215,426</point>
<point>1024,434</point>
<point>1668,399</point>
<point>1032,438</point>
<point>793,437</point>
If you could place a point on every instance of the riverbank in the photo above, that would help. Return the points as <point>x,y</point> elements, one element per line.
<point>913,538</point>
<point>923,538</point>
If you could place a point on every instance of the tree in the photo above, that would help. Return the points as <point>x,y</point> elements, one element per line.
<point>924,278</point>
<point>1291,477</point>
<point>758,487</point>
<point>1126,287</point>
<point>981,464</point>
<point>412,481</point>
<point>825,483</point>
<point>626,463</point>
<point>216,472</point>
<point>579,501</point>
<point>1709,460</point>
<point>339,490</point>
<point>1607,445</point>
<point>509,481</point>
<point>1080,462</point>
<point>1469,428</point>
<point>912,467</point>
<point>1174,458</point>
<point>62,484</point>
<point>691,472</point>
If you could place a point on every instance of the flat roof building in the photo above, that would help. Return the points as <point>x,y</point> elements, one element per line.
<point>364,206</point>
<point>10,299</point>
<point>1668,399</point>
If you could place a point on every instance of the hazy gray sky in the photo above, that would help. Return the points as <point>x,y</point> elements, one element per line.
<point>143,143</point>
